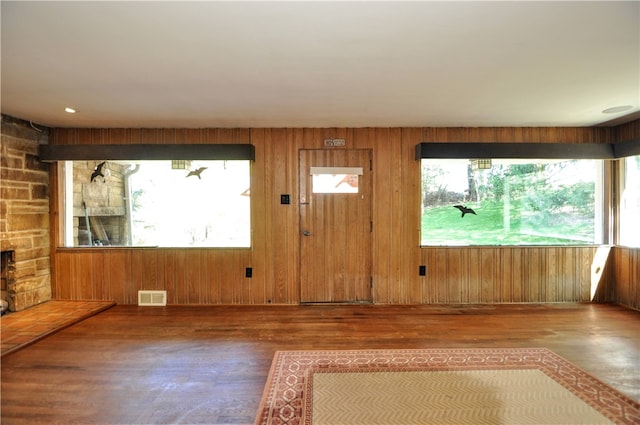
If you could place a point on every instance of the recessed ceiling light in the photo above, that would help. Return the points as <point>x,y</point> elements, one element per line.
<point>617,109</point>
<point>70,110</point>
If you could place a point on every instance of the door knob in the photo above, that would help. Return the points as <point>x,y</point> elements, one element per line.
<point>306,233</point>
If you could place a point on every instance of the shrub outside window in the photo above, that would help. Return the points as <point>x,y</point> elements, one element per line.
<point>163,203</point>
<point>511,202</point>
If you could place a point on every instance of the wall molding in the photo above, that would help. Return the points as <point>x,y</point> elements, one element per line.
<point>516,150</point>
<point>50,153</point>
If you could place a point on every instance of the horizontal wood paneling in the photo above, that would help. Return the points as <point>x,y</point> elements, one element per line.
<point>216,276</point>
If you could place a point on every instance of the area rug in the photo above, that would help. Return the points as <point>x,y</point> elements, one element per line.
<point>437,386</point>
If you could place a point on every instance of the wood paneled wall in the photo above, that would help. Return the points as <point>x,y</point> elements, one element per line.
<point>627,131</point>
<point>216,276</point>
<point>190,276</point>
<point>507,274</point>
<point>626,277</point>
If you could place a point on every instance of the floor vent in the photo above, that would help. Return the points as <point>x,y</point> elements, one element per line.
<point>152,298</point>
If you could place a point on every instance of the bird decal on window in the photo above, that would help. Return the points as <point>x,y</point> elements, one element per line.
<point>350,179</point>
<point>197,172</point>
<point>98,171</point>
<point>465,210</point>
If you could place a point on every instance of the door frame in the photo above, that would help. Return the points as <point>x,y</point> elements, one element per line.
<point>362,291</point>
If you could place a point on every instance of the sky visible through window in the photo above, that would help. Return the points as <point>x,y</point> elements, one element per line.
<point>191,208</point>
<point>630,203</point>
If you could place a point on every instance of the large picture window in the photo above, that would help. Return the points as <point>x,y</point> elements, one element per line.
<point>511,201</point>
<point>630,202</point>
<point>163,203</point>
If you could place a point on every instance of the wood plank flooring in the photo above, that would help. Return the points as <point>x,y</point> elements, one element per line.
<point>25,327</point>
<point>208,365</point>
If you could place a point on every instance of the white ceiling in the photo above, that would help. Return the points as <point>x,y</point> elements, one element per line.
<point>320,64</point>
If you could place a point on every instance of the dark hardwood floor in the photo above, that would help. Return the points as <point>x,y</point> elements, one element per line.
<point>186,365</point>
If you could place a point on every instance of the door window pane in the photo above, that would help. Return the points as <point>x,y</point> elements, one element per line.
<point>335,179</point>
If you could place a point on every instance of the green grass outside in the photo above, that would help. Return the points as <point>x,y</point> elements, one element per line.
<point>443,225</point>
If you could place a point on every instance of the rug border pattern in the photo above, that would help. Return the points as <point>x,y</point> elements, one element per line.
<point>288,391</point>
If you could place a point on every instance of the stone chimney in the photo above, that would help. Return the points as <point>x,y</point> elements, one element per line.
<point>24,214</point>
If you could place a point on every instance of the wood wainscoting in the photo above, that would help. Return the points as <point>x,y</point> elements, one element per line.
<point>217,276</point>
<point>626,277</point>
<point>190,276</point>
<point>507,275</point>
<point>454,276</point>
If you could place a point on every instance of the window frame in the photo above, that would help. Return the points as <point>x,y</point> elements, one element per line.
<point>497,150</point>
<point>58,154</point>
<point>622,150</point>
<point>621,182</point>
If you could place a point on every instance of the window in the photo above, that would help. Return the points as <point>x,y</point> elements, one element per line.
<point>630,202</point>
<point>335,179</point>
<point>507,201</point>
<point>164,203</point>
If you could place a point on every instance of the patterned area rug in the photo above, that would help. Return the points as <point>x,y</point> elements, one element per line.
<point>444,386</point>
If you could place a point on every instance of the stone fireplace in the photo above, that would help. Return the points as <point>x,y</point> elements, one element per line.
<point>7,278</point>
<point>24,215</point>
